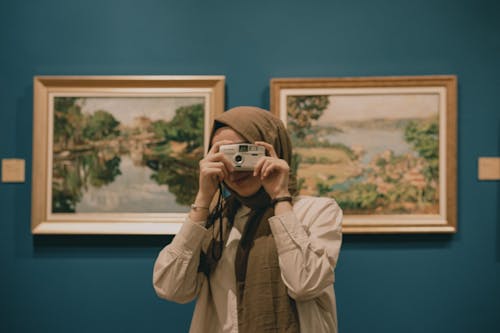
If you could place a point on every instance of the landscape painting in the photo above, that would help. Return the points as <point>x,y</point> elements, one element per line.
<point>126,154</point>
<point>376,150</point>
<point>119,154</point>
<point>366,153</point>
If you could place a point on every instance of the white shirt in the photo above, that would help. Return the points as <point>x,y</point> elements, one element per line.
<point>308,242</point>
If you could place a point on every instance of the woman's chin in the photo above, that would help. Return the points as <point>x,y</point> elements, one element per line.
<point>245,185</point>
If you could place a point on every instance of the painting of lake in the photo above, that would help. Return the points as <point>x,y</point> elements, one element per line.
<point>125,154</point>
<point>375,153</point>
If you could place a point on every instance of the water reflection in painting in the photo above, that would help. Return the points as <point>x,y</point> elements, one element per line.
<point>126,154</point>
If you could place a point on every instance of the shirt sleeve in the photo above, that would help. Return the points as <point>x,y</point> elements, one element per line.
<point>308,241</point>
<point>175,274</point>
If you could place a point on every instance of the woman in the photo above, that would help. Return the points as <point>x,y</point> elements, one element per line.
<point>264,262</point>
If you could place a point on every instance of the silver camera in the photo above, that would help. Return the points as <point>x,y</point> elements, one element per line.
<point>244,156</point>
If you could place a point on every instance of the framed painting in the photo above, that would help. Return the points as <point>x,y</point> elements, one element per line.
<point>383,147</point>
<point>119,154</point>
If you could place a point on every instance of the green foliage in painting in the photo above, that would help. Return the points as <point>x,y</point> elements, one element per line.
<point>424,137</point>
<point>180,170</point>
<point>161,129</point>
<point>72,127</point>
<point>295,162</point>
<point>179,173</point>
<point>361,196</point>
<point>303,111</point>
<point>104,172</point>
<point>70,179</point>
<point>68,121</point>
<point>187,126</point>
<point>101,125</point>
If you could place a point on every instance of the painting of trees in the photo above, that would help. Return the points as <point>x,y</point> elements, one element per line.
<point>100,125</point>
<point>303,111</point>
<point>72,127</point>
<point>396,176</point>
<point>91,142</point>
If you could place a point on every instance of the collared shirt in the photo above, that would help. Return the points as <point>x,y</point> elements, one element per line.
<point>308,242</point>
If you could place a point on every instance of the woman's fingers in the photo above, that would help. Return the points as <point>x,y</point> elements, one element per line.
<point>221,158</point>
<point>217,168</point>
<point>228,166</point>
<point>214,168</point>
<point>267,165</point>
<point>258,167</point>
<point>214,173</point>
<point>269,148</point>
<point>268,168</point>
<point>215,156</point>
<point>215,147</point>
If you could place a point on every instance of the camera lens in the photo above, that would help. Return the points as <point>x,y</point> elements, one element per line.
<point>238,158</point>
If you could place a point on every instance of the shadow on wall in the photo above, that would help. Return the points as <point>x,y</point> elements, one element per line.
<point>398,241</point>
<point>99,246</point>
<point>497,219</point>
<point>23,143</point>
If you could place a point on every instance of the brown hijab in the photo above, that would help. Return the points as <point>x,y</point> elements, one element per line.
<point>263,302</point>
<point>255,124</point>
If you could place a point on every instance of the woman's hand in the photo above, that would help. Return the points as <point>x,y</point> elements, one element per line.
<point>273,172</point>
<point>214,168</point>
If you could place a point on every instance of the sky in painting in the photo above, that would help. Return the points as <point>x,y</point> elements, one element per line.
<point>390,106</point>
<point>125,109</point>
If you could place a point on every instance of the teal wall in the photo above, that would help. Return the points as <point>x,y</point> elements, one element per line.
<point>387,284</point>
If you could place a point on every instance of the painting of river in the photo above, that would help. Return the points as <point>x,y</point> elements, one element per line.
<point>375,153</point>
<point>126,154</point>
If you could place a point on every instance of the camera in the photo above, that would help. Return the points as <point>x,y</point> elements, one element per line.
<point>243,156</point>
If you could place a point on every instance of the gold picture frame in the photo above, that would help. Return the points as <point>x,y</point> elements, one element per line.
<point>119,154</point>
<point>383,147</point>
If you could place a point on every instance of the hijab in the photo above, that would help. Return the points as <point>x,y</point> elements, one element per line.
<point>263,301</point>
